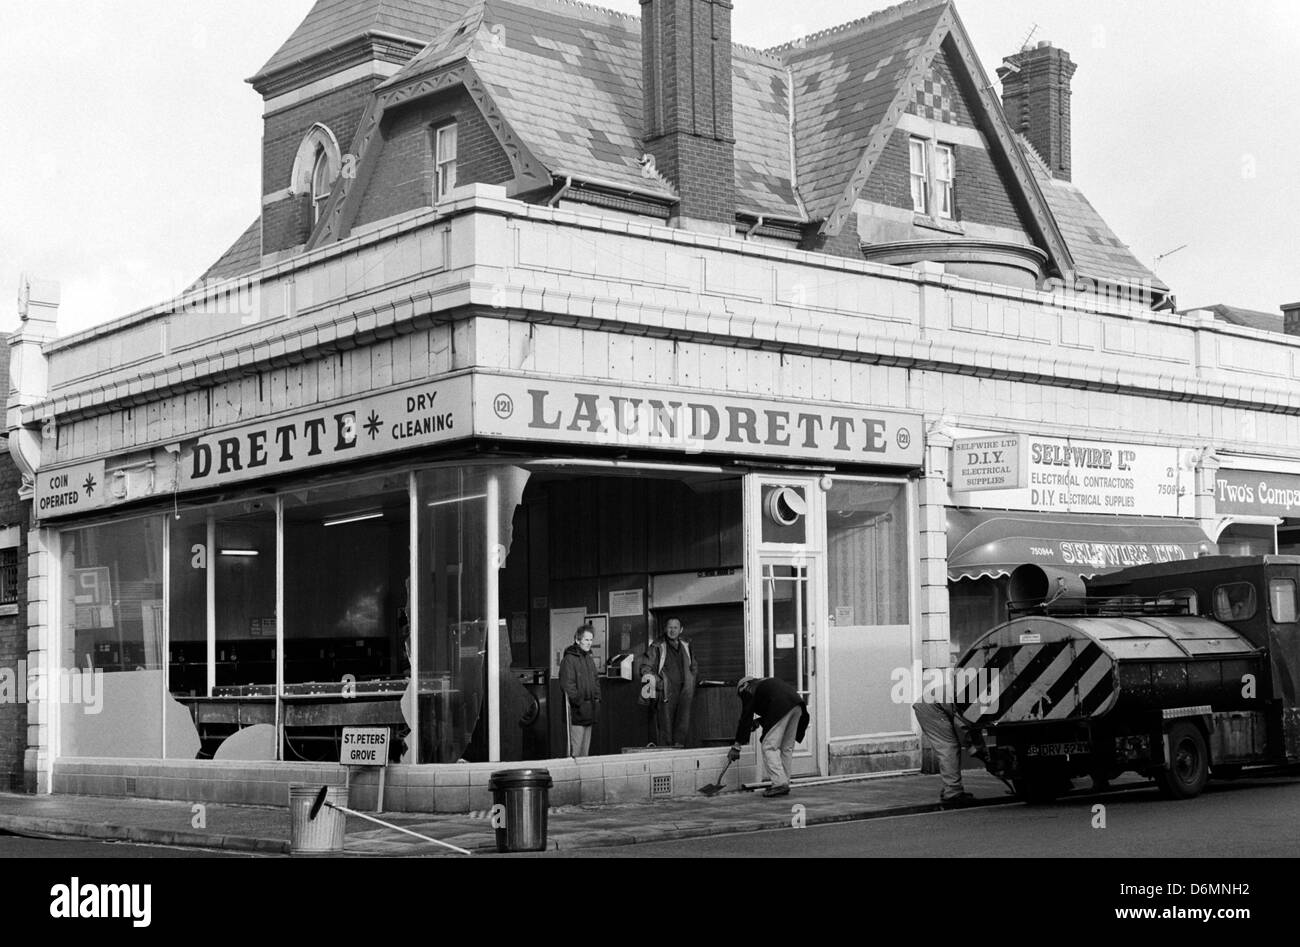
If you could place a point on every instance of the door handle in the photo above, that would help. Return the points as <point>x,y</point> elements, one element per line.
<point>812,661</point>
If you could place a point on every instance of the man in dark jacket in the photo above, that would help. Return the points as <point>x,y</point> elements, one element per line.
<point>581,688</point>
<point>783,714</point>
<point>672,669</point>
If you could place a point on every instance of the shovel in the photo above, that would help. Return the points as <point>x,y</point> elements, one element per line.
<point>714,788</point>
<point>321,801</point>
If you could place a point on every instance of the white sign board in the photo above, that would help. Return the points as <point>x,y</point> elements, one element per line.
<point>365,746</point>
<point>1065,475</point>
<point>988,463</point>
<point>610,415</point>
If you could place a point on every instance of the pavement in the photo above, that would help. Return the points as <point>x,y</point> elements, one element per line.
<point>267,831</point>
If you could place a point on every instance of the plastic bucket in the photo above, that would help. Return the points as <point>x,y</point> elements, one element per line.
<point>324,834</point>
<point>524,796</point>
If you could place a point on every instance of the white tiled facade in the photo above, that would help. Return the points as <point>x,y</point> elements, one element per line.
<point>489,283</point>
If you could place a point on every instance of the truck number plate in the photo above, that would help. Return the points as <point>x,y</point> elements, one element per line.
<point>1057,749</point>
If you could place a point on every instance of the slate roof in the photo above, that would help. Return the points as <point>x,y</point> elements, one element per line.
<point>844,82</point>
<point>567,78</point>
<point>244,255</point>
<point>1250,318</point>
<point>331,22</point>
<point>760,111</point>
<point>1098,253</point>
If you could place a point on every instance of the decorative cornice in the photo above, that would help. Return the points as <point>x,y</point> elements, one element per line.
<point>961,249</point>
<point>361,49</point>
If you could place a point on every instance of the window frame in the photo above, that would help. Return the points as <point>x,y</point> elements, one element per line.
<point>1275,582</point>
<point>320,175</point>
<point>919,179</point>
<point>442,163</point>
<point>945,188</point>
<point>933,197</point>
<point>1219,604</point>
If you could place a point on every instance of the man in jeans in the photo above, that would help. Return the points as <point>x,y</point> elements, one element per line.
<point>946,731</point>
<point>783,715</point>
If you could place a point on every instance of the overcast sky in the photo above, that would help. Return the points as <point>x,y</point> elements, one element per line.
<point>134,143</point>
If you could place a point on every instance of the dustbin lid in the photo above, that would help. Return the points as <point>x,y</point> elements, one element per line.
<point>518,778</point>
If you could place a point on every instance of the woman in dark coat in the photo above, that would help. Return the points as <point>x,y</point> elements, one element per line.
<point>581,689</point>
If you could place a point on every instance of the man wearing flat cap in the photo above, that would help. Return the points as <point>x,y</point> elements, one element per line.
<point>783,714</point>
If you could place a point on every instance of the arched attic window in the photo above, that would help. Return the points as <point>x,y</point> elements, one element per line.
<point>316,168</point>
<point>321,184</point>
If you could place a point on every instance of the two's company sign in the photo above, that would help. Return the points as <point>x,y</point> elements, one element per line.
<point>1257,493</point>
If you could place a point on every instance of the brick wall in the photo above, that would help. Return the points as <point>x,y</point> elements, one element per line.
<point>687,83</point>
<point>403,178</point>
<point>13,628</point>
<point>287,223</point>
<point>982,195</point>
<point>1037,102</point>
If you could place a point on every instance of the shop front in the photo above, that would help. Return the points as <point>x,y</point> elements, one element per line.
<point>1257,506</point>
<point>420,558</point>
<point>1033,516</point>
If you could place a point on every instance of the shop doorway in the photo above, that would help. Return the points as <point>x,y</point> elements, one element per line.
<point>787,593</point>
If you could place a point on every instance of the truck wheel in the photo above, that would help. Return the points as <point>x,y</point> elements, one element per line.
<point>1189,762</point>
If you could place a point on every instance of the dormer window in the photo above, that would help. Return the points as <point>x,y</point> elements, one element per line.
<point>321,184</point>
<point>444,161</point>
<point>316,169</point>
<point>932,171</point>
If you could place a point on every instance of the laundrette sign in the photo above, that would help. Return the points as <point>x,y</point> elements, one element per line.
<point>507,407</point>
<point>693,423</point>
<point>417,416</point>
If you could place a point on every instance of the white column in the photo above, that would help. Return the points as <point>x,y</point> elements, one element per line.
<point>934,500</point>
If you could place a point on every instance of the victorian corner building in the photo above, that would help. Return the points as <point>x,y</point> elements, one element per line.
<point>555,316</point>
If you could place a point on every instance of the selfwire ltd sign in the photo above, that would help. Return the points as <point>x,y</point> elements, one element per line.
<point>1065,475</point>
<point>988,463</point>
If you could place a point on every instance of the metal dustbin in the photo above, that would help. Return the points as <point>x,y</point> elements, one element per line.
<point>322,835</point>
<point>524,797</point>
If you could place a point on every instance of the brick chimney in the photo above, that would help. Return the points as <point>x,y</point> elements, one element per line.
<point>1291,318</point>
<point>1036,98</point>
<point>686,72</point>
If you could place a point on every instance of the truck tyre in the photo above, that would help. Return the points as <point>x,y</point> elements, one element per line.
<point>1189,762</point>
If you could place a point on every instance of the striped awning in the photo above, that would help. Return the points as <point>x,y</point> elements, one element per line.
<point>994,542</point>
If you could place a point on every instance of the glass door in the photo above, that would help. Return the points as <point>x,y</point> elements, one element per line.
<point>789,639</point>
